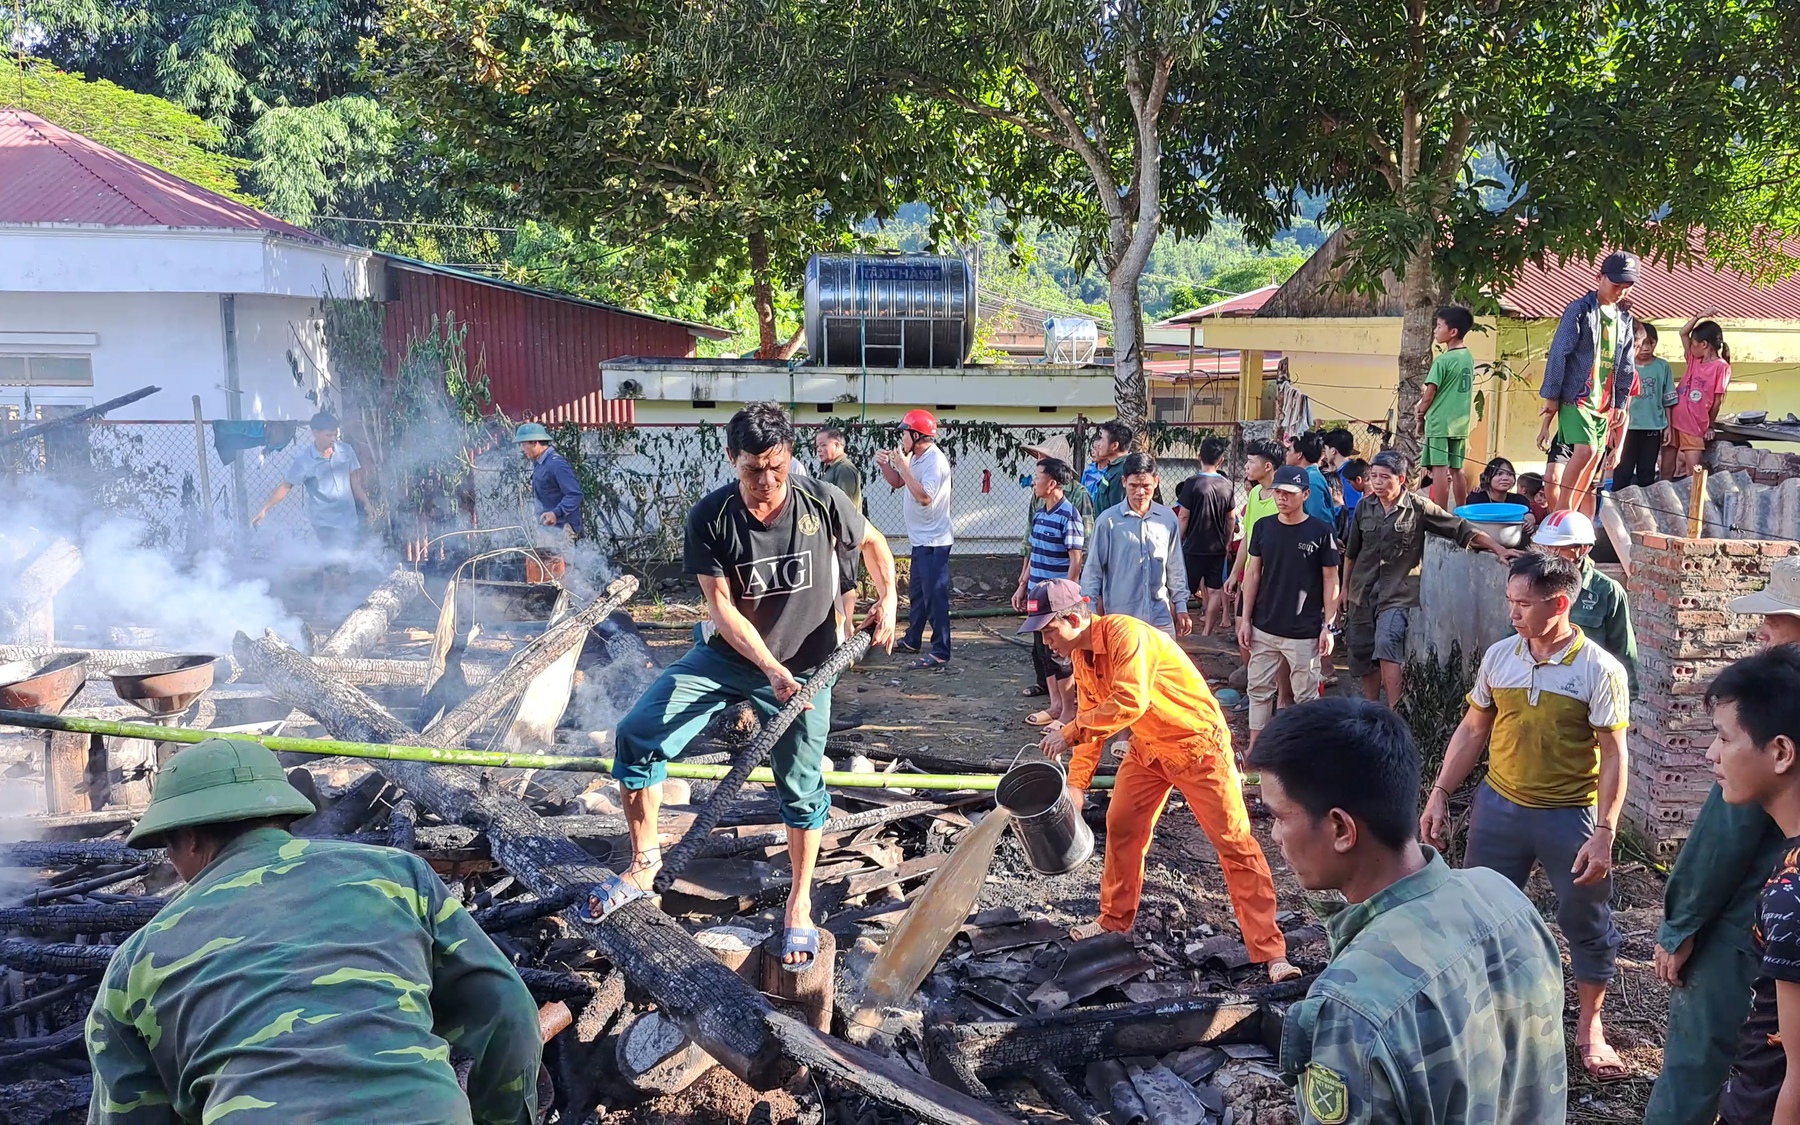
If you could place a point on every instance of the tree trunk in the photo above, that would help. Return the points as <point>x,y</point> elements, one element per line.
<point>763,295</point>
<point>1418,298</point>
<point>1130,394</point>
<point>368,623</point>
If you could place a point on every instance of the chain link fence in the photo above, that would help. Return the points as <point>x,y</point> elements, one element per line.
<point>640,480</point>
<point>168,477</point>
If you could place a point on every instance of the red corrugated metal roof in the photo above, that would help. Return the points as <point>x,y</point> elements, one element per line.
<point>1244,304</point>
<point>1660,292</point>
<point>50,175</point>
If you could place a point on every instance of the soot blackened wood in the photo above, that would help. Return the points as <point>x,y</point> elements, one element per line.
<point>1077,1036</point>
<point>718,1010</point>
<point>54,957</point>
<point>883,1079</point>
<point>70,853</point>
<point>346,814</point>
<point>98,918</point>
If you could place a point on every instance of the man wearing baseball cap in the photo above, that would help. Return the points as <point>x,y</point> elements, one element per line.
<point>1129,674</point>
<point>1603,610</point>
<point>300,980</point>
<point>1590,372</point>
<point>1704,950</point>
<point>553,481</point>
<point>1290,598</point>
<point>921,468</point>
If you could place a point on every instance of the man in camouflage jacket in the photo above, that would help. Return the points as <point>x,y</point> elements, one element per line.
<point>1443,1000</point>
<point>299,980</point>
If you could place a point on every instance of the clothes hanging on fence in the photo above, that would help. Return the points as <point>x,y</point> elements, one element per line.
<point>1293,409</point>
<point>231,438</point>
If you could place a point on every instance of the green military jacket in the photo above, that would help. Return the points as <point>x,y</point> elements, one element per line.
<point>310,981</point>
<point>1443,1003</point>
<point>1386,548</point>
<point>1718,877</point>
<point>844,473</point>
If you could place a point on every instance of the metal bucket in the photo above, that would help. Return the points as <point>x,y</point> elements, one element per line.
<point>1049,827</point>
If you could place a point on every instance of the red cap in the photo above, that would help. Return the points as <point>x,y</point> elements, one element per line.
<point>920,421</point>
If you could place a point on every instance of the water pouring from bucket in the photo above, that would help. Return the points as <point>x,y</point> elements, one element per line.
<point>1046,822</point>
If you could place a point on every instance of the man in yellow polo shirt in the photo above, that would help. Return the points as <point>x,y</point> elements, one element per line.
<point>1549,705</point>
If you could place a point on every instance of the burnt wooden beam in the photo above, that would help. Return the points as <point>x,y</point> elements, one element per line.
<point>70,853</point>
<point>887,1080</point>
<point>714,1006</point>
<point>368,623</point>
<point>54,957</point>
<point>456,726</point>
<point>1077,1036</point>
<point>82,918</point>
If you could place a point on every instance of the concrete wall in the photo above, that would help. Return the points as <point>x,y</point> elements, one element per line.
<point>1679,590</point>
<point>1462,600</point>
<point>1025,394</point>
<point>173,340</point>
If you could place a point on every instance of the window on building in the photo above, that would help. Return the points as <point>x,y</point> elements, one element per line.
<point>46,370</point>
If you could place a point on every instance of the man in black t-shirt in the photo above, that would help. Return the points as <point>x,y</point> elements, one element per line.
<point>1204,505</point>
<point>1755,754</point>
<point>766,550</point>
<point>1290,598</point>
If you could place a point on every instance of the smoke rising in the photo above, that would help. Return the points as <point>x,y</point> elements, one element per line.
<point>129,580</point>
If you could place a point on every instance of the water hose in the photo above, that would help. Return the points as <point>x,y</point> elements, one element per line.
<point>496,759</point>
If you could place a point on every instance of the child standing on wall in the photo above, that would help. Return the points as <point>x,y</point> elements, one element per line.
<point>1701,392</point>
<point>1445,406</point>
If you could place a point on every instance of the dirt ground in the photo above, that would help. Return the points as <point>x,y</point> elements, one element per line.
<point>973,712</point>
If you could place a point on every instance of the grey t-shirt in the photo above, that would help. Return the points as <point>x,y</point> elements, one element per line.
<point>326,483</point>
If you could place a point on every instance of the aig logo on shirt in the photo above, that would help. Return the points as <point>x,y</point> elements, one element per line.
<point>778,574</point>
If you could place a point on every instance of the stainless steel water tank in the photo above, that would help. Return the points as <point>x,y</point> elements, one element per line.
<point>912,310</point>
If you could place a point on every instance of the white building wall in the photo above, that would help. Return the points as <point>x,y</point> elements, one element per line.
<point>173,340</point>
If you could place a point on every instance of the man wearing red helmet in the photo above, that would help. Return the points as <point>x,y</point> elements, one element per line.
<point>921,468</point>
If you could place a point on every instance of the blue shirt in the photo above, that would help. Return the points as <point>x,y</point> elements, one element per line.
<point>553,483</point>
<point>1351,496</point>
<point>1135,567</point>
<point>1054,533</point>
<point>326,483</point>
<point>1318,497</point>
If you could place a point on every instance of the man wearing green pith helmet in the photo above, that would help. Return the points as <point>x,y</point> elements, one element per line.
<point>300,980</point>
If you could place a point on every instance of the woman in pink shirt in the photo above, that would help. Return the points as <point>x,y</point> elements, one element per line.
<point>1701,391</point>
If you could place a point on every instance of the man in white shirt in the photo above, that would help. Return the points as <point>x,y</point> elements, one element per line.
<point>921,468</point>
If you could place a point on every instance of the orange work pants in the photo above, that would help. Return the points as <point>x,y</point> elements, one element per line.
<point>1215,793</point>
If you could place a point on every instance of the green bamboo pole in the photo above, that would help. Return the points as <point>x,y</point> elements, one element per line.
<point>458,756</point>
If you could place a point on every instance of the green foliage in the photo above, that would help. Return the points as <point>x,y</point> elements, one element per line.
<point>308,160</point>
<point>1436,695</point>
<point>147,128</point>
<point>574,105</point>
<point>227,60</point>
<point>1056,111</point>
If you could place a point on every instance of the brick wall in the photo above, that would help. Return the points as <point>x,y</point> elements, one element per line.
<point>1679,589</point>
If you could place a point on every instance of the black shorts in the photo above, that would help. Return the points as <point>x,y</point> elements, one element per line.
<point>1560,451</point>
<point>1209,571</point>
<point>1049,665</point>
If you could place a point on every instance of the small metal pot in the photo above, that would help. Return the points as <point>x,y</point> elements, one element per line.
<point>1049,826</point>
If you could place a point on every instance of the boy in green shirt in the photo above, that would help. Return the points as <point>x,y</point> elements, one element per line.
<point>1445,405</point>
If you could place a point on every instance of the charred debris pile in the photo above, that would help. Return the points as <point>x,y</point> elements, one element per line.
<point>667,999</point>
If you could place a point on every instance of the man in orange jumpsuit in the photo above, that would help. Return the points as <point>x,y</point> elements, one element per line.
<point>1130,675</point>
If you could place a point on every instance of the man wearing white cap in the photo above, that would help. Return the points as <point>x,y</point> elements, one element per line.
<point>1602,610</point>
<point>1704,949</point>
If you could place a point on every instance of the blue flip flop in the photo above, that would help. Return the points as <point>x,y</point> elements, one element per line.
<point>796,939</point>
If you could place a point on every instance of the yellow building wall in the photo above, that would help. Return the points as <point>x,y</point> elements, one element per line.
<point>654,412</point>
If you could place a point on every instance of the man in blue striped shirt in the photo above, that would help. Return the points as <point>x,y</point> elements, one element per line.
<point>1057,542</point>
